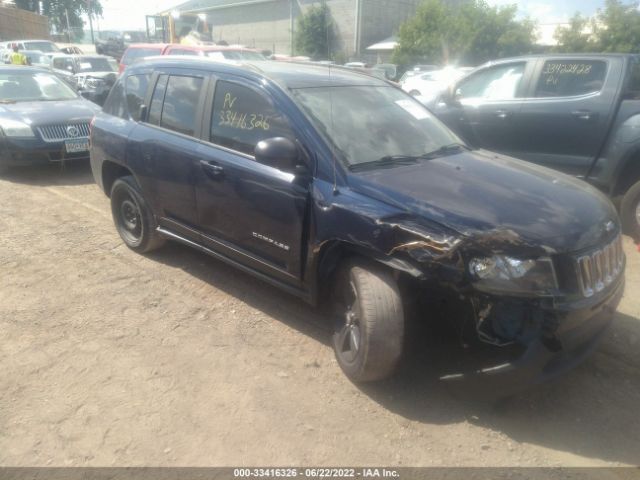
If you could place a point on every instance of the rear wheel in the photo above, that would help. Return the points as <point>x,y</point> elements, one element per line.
<point>369,322</point>
<point>630,211</point>
<point>132,217</point>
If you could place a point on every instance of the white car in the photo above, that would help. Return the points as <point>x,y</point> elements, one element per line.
<point>429,85</point>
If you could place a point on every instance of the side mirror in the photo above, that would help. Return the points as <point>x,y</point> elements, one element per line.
<point>278,152</point>
<point>452,96</point>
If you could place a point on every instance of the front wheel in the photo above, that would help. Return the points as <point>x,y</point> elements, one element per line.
<point>369,322</point>
<point>132,217</point>
<point>630,211</point>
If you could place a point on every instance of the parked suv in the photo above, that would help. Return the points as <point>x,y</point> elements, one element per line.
<point>575,113</point>
<point>345,191</point>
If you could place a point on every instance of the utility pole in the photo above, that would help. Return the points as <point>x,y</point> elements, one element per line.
<point>66,14</point>
<point>90,20</point>
<point>291,24</point>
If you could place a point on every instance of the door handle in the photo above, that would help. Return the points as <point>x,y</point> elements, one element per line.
<point>212,169</point>
<point>503,113</point>
<point>583,115</point>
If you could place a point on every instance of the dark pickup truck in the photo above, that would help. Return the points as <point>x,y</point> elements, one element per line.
<point>114,44</point>
<point>579,114</point>
<point>342,189</point>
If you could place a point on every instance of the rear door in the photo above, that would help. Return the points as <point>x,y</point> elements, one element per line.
<point>165,146</point>
<point>565,118</point>
<point>252,212</point>
<point>488,103</point>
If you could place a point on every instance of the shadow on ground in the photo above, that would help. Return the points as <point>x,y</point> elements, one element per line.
<point>77,173</point>
<point>592,411</point>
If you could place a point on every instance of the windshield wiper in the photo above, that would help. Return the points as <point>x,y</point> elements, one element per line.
<point>6,101</point>
<point>386,161</point>
<point>444,150</point>
<point>393,160</point>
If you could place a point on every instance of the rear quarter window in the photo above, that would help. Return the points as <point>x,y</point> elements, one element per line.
<point>570,78</point>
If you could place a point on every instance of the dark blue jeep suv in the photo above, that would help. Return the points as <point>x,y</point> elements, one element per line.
<point>341,189</point>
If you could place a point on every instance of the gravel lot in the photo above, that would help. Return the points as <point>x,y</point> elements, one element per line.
<point>112,358</point>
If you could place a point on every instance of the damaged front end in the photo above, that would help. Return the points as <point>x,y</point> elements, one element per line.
<point>514,296</point>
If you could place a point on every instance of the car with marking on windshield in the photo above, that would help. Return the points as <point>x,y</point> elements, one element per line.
<point>344,190</point>
<point>42,119</point>
<point>92,75</point>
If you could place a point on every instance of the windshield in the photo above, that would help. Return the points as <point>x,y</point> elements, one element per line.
<point>27,87</point>
<point>237,55</point>
<point>133,54</point>
<point>42,46</point>
<point>37,58</point>
<point>384,120</point>
<point>95,65</point>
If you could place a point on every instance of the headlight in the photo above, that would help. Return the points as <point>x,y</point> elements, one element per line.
<point>13,128</point>
<point>511,275</point>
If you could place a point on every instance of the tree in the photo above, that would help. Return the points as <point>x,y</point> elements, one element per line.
<point>620,30</point>
<point>578,37</point>
<point>315,34</point>
<point>466,31</point>
<point>615,29</point>
<point>57,11</point>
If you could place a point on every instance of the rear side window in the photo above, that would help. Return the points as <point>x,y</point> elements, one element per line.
<point>133,54</point>
<point>569,78</point>
<point>136,88</point>
<point>502,82</point>
<point>181,104</point>
<point>242,117</point>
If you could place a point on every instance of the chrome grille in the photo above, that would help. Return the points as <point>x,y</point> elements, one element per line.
<point>598,269</point>
<point>60,132</point>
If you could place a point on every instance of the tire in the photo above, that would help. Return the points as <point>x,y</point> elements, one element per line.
<point>630,211</point>
<point>369,322</point>
<point>133,218</point>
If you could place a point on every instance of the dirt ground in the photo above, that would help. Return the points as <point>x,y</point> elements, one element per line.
<point>112,358</point>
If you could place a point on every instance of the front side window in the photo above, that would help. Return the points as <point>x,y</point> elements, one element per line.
<point>501,82</point>
<point>242,117</point>
<point>366,124</point>
<point>181,103</point>
<point>570,78</point>
<point>136,89</point>
<point>60,63</point>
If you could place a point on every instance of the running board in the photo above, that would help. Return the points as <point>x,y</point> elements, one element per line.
<point>276,283</point>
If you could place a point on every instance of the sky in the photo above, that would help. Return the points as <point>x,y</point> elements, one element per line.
<point>129,14</point>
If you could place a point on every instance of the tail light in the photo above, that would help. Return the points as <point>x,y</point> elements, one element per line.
<point>121,68</point>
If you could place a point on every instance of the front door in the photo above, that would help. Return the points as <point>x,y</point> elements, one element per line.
<point>252,212</point>
<point>487,103</point>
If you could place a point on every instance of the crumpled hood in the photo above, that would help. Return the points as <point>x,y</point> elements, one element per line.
<point>478,192</point>
<point>45,113</point>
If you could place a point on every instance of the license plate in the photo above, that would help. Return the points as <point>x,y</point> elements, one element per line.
<point>77,145</point>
